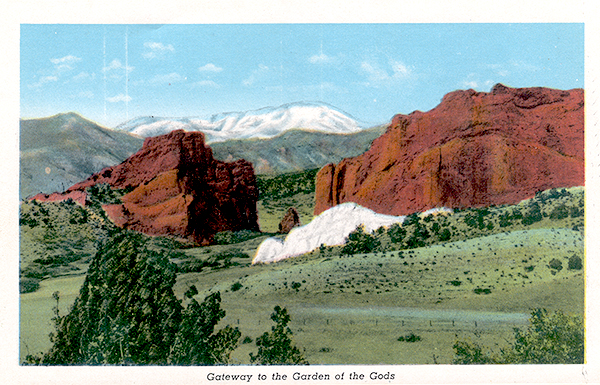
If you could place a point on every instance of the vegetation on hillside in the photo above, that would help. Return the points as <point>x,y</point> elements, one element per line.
<point>550,338</point>
<point>556,208</point>
<point>273,188</point>
<point>127,314</point>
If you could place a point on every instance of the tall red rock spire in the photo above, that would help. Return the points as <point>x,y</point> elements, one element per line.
<point>178,189</point>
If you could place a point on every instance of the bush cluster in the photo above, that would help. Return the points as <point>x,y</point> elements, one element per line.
<point>550,338</point>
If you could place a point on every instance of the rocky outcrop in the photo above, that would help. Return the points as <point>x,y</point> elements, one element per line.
<point>179,189</point>
<point>290,220</point>
<point>330,228</point>
<point>473,149</point>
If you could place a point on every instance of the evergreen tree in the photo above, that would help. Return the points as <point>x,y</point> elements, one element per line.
<point>276,347</point>
<point>127,313</point>
<point>196,343</point>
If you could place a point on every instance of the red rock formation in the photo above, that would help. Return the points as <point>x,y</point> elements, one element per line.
<point>179,189</point>
<point>290,220</point>
<point>473,149</point>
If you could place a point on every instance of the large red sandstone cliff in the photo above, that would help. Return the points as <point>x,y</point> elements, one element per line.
<point>473,149</point>
<point>179,189</point>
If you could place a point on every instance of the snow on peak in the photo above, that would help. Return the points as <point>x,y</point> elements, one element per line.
<point>263,123</point>
<point>329,228</point>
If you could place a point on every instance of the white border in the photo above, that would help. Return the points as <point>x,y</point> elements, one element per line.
<point>16,12</point>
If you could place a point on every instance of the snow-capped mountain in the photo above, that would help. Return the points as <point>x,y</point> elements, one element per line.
<point>329,228</point>
<point>263,123</point>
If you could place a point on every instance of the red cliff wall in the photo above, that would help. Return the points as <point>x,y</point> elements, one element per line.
<point>473,149</point>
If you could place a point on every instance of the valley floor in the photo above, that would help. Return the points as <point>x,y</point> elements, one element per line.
<point>353,309</point>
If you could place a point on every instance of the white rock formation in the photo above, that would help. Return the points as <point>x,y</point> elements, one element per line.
<point>330,228</point>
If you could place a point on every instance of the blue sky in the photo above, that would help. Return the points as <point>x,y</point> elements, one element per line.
<point>111,73</point>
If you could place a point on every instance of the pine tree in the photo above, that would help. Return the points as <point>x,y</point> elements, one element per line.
<point>276,347</point>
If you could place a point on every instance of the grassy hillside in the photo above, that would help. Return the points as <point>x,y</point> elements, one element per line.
<point>471,275</point>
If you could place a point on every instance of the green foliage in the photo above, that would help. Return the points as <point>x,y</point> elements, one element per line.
<point>412,337</point>
<point>276,347</point>
<point>127,313</point>
<point>482,291</point>
<point>532,215</point>
<point>466,353</point>
<point>555,264</point>
<point>397,233</point>
<point>550,338</point>
<point>230,237</point>
<point>575,263</point>
<point>192,291</point>
<point>445,235</point>
<point>286,185</point>
<point>236,286</point>
<point>196,342</point>
<point>360,241</point>
<point>28,285</point>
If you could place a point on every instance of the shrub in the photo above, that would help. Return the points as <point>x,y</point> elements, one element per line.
<point>555,264</point>
<point>466,353</point>
<point>409,338</point>
<point>28,285</point>
<point>236,286</point>
<point>550,338</point>
<point>575,263</point>
<point>482,291</point>
<point>455,283</point>
<point>396,233</point>
<point>359,241</point>
<point>445,235</point>
<point>554,338</point>
<point>559,212</point>
<point>247,340</point>
<point>230,237</point>
<point>276,347</point>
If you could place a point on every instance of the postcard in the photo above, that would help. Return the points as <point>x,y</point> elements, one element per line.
<point>224,194</point>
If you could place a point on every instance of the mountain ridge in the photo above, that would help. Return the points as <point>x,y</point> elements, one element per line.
<point>265,122</point>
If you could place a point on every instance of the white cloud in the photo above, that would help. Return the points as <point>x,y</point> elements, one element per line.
<point>205,83</point>
<point>157,50</point>
<point>64,63</point>
<point>84,76</point>
<point>471,84</point>
<point>119,98</point>
<point>116,65</point>
<point>68,60</point>
<point>400,70</point>
<point>210,67</point>
<point>173,77</point>
<point>394,72</point>
<point>321,59</point>
<point>257,74</point>
<point>474,81</point>
<point>43,80</point>
<point>86,94</point>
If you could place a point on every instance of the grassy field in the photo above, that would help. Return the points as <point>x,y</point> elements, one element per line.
<point>474,282</point>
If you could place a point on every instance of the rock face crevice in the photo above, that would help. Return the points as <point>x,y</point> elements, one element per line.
<point>473,149</point>
<point>177,189</point>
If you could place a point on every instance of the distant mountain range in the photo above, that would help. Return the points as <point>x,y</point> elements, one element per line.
<point>263,123</point>
<point>296,150</point>
<point>63,149</point>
